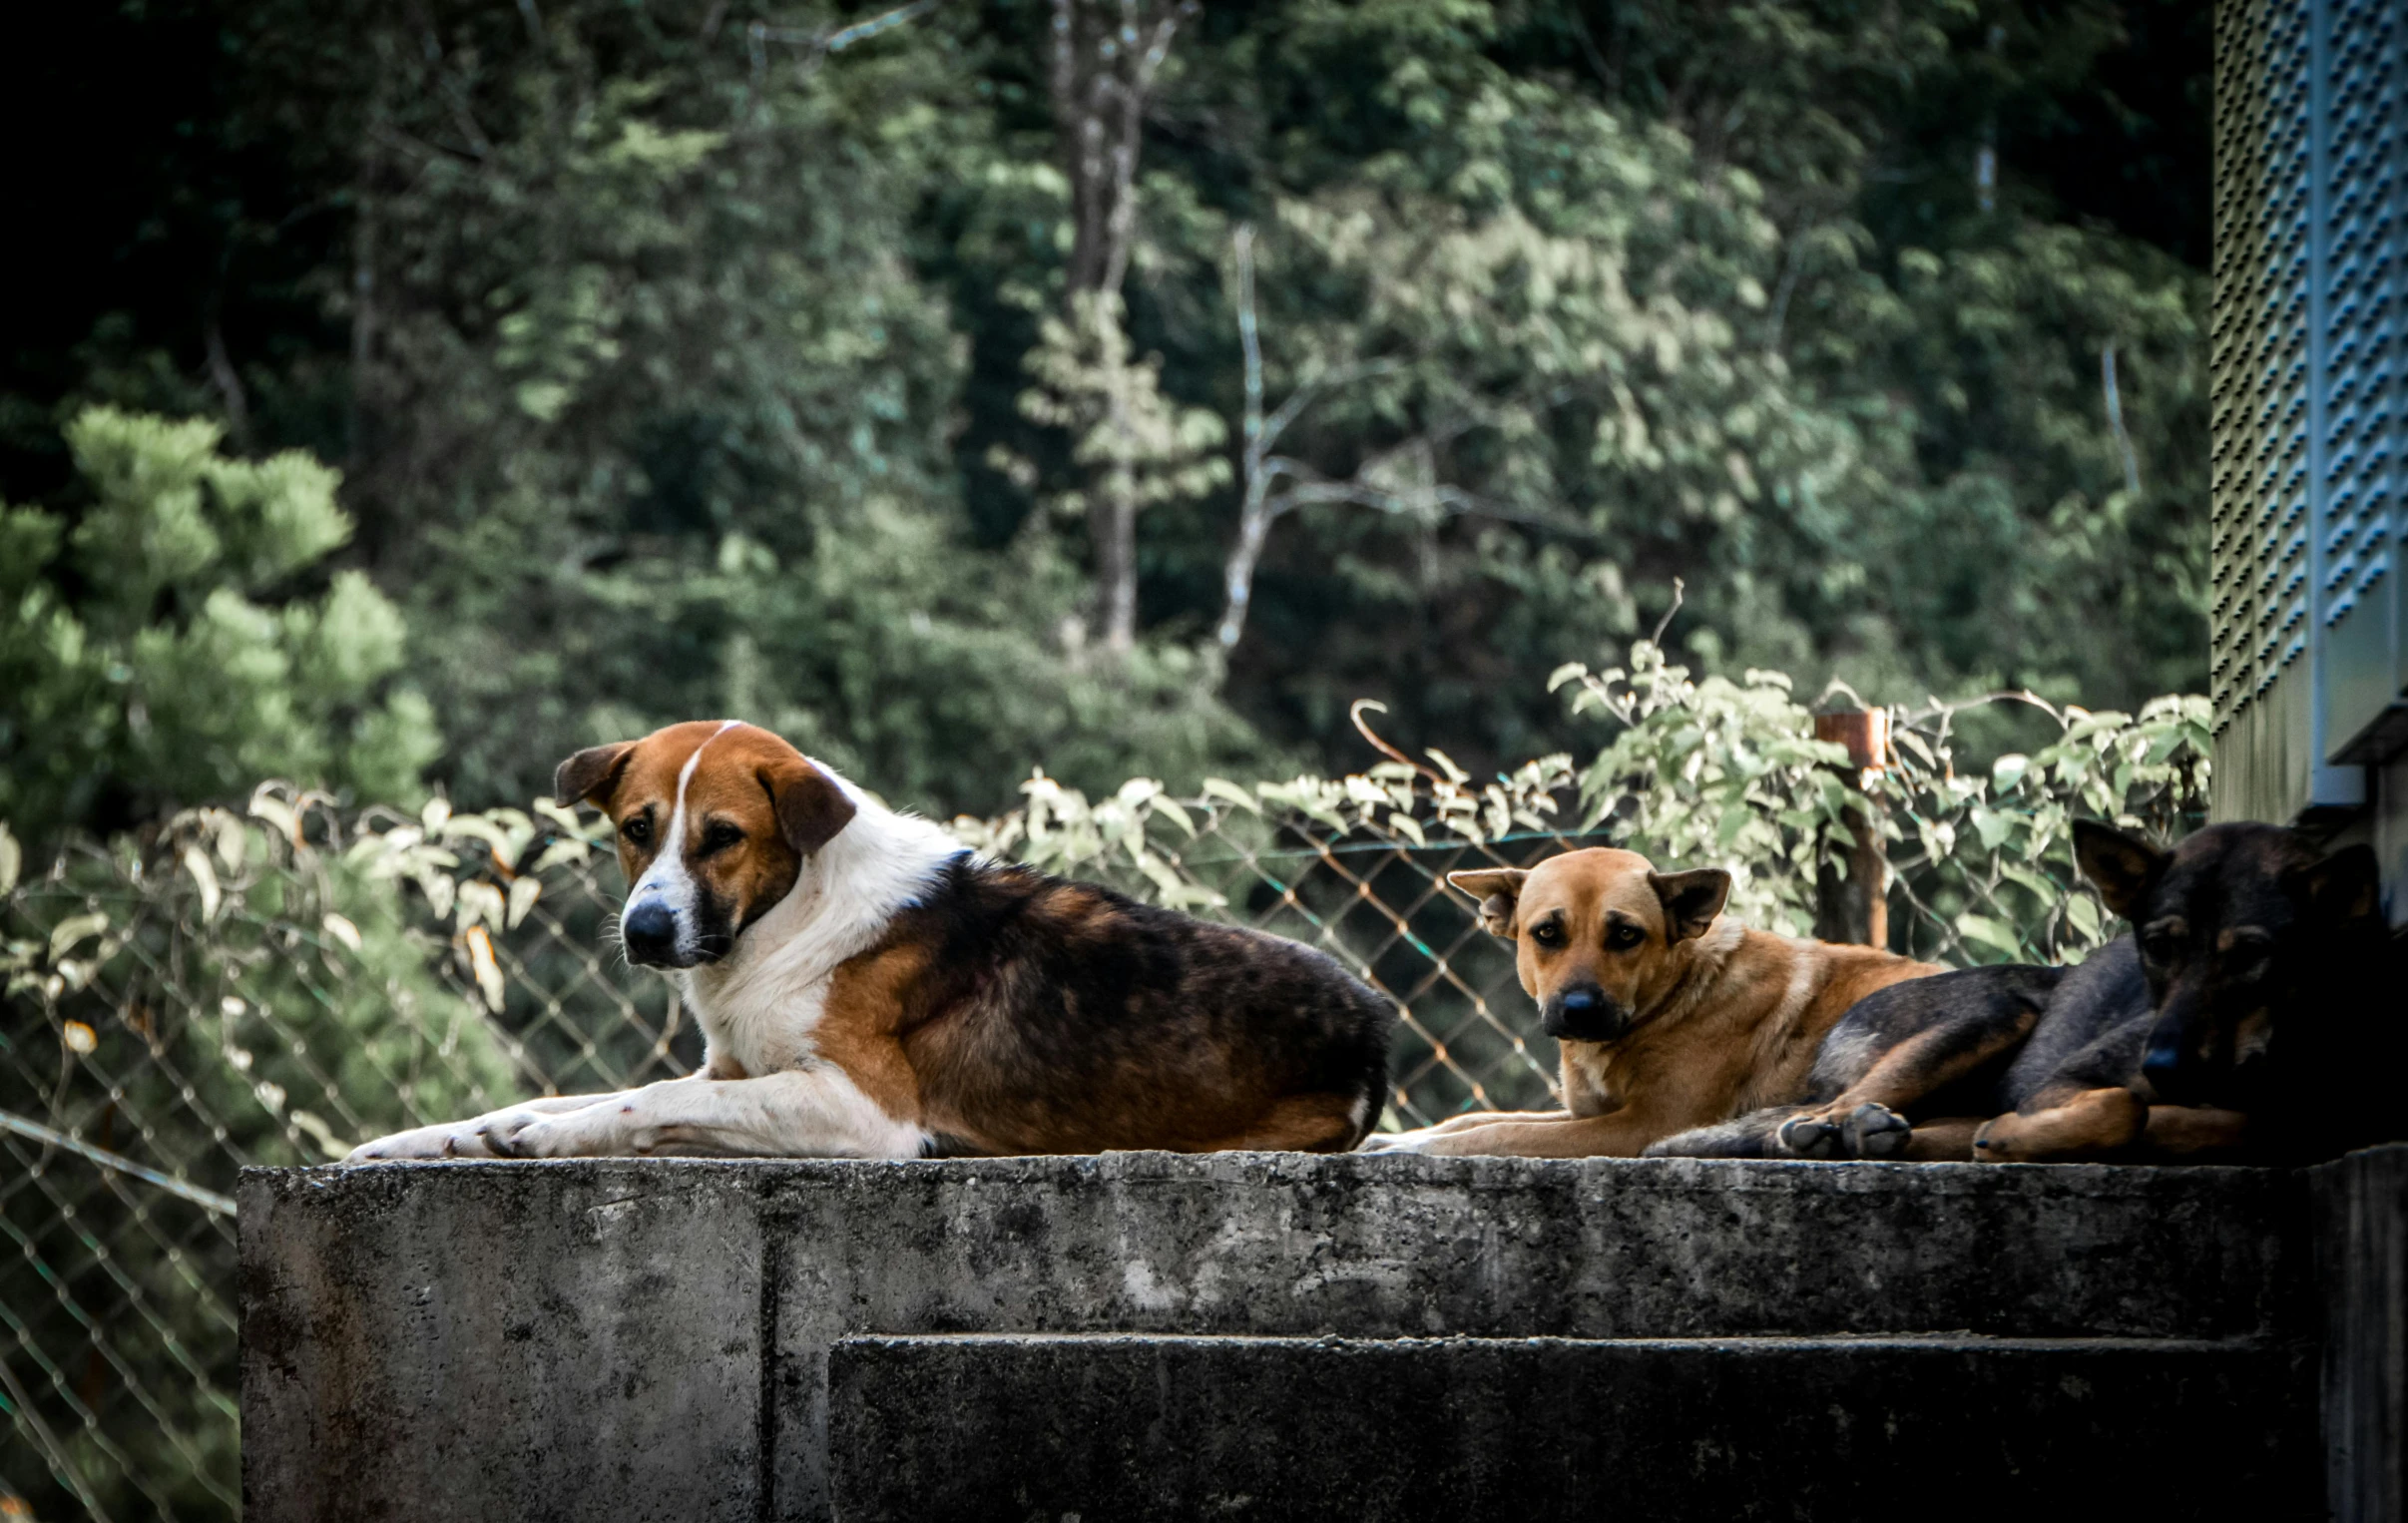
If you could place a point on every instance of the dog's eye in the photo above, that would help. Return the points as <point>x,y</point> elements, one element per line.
<point>1623,937</point>
<point>2246,955</point>
<point>719,835</point>
<point>1549,934</point>
<point>2161,943</point>
<point>638,830</point>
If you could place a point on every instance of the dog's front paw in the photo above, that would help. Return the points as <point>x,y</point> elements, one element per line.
<point>1398,1142</point>
<point>458,1139</point>
<point>1876,1131</point>
<point>1814,1134</point>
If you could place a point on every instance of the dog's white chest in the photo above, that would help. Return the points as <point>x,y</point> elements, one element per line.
<point>762,1032</point>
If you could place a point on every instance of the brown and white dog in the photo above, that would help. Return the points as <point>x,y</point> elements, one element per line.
<point>1669,1014</point>
<point>869,989</point>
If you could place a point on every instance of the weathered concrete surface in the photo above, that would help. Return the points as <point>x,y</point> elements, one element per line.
<point>1162,1429</point>
<point>2362,1246</point>
<point>560,1339</point>
<point>428,1343</point>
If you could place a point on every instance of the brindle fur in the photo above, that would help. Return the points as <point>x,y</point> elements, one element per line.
<point>2249,1019</point>
<point>1669,1017</point>
<point>1012,1012</point>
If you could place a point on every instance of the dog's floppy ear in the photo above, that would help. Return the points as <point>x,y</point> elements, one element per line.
<point>810,808</point>
<point>593,773</point>
<point>1498,890</point>
<point>2123,868</point>
<point>2346,887</point>
<point>1691,899</point>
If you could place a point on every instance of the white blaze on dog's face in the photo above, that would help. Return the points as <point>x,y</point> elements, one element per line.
<point>715,820</point>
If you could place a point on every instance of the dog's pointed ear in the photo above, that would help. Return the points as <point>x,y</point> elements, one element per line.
<point>2346,887</point>
<point>1691,900</point>
<point>2123,868</point>
<point>810,808</point>
<point>1497,890</point>
<point>591,776</point>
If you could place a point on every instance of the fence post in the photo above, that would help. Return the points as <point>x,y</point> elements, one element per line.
<point>1856,907</point>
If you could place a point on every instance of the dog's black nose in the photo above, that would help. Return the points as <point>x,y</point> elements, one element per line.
<point>1582,1013</point>
<point>2166,1071</point>
<point>650,933</point>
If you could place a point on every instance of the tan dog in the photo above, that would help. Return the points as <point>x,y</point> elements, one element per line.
<point>1668,1015</point>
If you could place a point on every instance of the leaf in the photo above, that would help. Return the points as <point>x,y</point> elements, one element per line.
<point>1166,805</point>
<point>2034,883</point>
<point>205,879</point>
<point>1406,826</point>
<point>275,812</point>
<point>524,892</point>
<point>480,901</point>
<point>1568,672</point>
<point>65,934</point>
<point>233,841</point>
<point>2008,770</point>
<point>2082,912</point>
<point>12,859</point>
<point>342,929</point>
<point>1138,790</point>
<point>565,818</point>
<point>1990,933</point>
<point>564,849</point>
<point>1992,827</point>
<point>1734,819</point>
<point>1446,764</point>
<point>481,964</point>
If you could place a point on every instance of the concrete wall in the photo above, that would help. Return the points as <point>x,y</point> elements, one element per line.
<point>2361,1207</point>
<point>652,1340</point>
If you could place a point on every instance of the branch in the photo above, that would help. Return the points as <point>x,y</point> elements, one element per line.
<point>2115,420</point>
<point>1121,225</point>
<point>1363,726</point>
<point>1680,591</point>
<point>1250,341</point>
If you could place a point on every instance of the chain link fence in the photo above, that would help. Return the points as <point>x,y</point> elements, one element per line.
<point>272,985</point>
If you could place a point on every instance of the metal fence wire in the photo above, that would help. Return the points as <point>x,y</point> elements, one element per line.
<point>272,985</point>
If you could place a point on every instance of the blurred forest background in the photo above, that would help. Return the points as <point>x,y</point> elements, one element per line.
<point>403,394</point>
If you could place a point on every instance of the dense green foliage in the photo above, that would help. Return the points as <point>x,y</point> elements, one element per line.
<point>680,362</point>
<point>169,647</point>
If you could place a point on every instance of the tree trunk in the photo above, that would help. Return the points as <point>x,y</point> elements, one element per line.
<point>1104,54</point>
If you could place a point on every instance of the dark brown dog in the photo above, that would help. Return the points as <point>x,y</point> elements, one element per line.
<point>1668,1015</point>
<point>2246,1018</point>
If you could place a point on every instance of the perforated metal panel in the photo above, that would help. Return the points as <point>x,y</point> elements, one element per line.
<point>2306,413</point>
<point>2359,130</point>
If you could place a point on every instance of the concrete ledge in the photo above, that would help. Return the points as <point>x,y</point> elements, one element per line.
<point>651,1339</point>
<point>1152,1429</point>
<point>2362,1249</point>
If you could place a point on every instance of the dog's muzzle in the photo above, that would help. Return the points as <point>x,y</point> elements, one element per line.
<point>1584,1013</point>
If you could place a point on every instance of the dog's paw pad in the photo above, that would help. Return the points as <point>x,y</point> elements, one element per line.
<point>1809,1137</point>
<point>1876,1131</point>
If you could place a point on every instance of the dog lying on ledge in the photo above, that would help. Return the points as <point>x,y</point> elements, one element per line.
<point>1669,1015</point>
<point>868,989</point>
<point>2248,1018</point>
